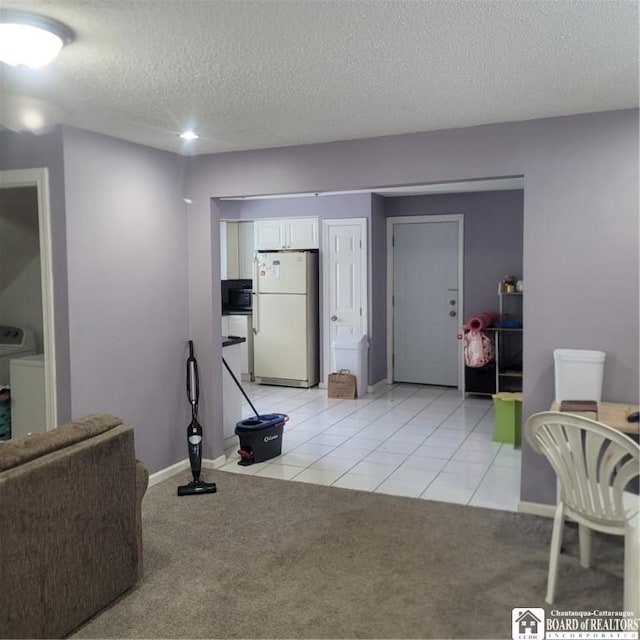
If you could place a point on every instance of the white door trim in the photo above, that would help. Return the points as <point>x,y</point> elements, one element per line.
<point>459,219</point>
<point>39,178</point>
<point>324,248</point>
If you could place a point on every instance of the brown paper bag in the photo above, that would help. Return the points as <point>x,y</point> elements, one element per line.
<point>342,384</point>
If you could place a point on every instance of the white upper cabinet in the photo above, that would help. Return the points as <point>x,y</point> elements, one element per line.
<point>236,250</point>
<point>302,233</point>
<point>270,234</point>
<point>286,233</point>
<point>240,239</point>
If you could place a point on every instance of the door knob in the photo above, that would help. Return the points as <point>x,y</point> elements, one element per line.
<point>452,314</point>
<point>334,318</point>
<point>452,302</point>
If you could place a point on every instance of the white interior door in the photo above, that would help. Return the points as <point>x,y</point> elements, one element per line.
<point>425,302</point>
<point>345,281</point>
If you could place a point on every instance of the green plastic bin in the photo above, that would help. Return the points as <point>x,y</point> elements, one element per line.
<point>508,418</point>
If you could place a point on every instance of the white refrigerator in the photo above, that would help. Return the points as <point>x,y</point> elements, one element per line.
<point>285,318</point>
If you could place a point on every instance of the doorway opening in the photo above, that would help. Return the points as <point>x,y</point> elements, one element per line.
<point>27,356</point>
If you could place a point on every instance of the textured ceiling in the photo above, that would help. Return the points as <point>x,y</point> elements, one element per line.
<point>251,74</point>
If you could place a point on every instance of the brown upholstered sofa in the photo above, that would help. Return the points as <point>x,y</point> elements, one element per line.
<point>70,525</point>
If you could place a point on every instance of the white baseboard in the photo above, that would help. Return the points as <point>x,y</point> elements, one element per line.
<point>216,463</point>
<point>165,474</point>
<point>537,509</point>
<point>372,388</point>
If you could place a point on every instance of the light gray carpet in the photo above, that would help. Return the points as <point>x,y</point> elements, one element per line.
<point>266,558</point>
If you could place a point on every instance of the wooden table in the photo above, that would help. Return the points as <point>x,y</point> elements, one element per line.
<point>614,415</point>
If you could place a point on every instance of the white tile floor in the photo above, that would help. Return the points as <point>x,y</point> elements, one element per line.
<point>408,440</point>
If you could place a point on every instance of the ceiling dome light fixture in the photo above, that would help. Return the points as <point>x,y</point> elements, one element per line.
<point>189,135</point>
<point>29,40</point>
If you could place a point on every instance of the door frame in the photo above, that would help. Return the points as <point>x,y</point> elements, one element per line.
<point>391,222</point>
<point>326,280</point>
<point>39,178</point>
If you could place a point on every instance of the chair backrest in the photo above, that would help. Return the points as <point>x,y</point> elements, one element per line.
<point>593,461</point>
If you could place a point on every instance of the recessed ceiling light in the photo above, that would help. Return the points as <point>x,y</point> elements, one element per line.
<point>29,40</point>
<point>32,120</point>
<point>188,200</point>
<point>189,135</point>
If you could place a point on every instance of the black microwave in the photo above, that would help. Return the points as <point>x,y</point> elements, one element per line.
<point>240,299</point>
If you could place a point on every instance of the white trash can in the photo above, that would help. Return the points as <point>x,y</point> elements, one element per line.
<point>578,374</point>
<point>351,351</point>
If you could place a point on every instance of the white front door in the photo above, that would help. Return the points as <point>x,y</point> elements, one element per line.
<point>345,282</point>
<point>425,302</point>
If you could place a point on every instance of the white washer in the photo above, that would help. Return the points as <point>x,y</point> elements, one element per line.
<point>28,410</point>
<point>15,342</point>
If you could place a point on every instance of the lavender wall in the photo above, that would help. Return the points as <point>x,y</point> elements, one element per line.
<point>28,151</point>
<point>581,240</point>
<point>493,227</point>
<point>580,228</point>
<point>229,209</point>
<point>128,296</point>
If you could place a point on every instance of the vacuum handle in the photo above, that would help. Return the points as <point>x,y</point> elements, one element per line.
<point>193,385</point>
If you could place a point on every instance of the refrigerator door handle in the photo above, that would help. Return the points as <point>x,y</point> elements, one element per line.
<point>256,299</point>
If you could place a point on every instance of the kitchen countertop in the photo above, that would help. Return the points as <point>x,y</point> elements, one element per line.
<point>228,341</point>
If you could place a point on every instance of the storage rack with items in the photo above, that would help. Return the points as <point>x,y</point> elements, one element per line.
<point>509,336</point>
<point>504,371</point>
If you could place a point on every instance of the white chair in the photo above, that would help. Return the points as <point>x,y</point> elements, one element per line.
<point>594,463</point>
